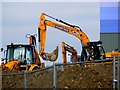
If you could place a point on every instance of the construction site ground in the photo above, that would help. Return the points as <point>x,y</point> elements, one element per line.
<point>69,77</point>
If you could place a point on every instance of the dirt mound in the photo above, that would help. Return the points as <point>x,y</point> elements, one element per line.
<point>70,76</point>
<point>90,76</point>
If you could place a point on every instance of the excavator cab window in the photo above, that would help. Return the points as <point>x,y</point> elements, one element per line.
<point>23,53</point>
<point>102,52</point>
<point>98,52</point>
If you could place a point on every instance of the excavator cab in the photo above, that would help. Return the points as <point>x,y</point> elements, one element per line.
<point>22,53</point>
<point>97,51</point>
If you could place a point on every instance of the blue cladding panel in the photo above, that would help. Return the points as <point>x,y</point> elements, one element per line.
<point>108,13</point>
<point>109,25</point>
<point>110,19</point>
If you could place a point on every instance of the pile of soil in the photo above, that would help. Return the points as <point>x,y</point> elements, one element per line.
<point>89,76</point>
<point>69,76</point>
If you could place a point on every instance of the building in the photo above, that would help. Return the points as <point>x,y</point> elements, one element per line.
<point>110,41</point>
<point>110,25</point>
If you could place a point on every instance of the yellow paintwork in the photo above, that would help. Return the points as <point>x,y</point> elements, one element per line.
<point>33,66</point>
<point>112,54</point>
<point>13,64</point>
<point>16,65</point>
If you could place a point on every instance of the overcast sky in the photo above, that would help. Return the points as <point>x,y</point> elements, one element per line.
<point>19,19</point>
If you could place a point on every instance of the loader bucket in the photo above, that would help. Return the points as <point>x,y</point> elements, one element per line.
<point>51,56</point>
<point>13,65</point>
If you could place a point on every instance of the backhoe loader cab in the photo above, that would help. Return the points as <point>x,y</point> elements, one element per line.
<point>22,57</point>
<point>22,53</point>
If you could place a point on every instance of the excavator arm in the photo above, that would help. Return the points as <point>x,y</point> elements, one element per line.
<point>62,26</point>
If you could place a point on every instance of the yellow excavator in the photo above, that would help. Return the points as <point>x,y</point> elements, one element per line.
<point>90,50</point>
<point>67,48</point>
<point>23,57</point>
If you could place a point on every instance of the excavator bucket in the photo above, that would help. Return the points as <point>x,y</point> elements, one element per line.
<point>51,56</point>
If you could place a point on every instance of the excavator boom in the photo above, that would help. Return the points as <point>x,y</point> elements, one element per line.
<point>65,27</point>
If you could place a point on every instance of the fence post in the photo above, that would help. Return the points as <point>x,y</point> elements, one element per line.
<point>118,72</point>
<point>54,76</point>
<point>25,81</point>
<point>114,72</point>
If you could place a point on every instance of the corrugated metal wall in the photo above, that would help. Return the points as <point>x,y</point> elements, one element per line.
<point>110,41</point>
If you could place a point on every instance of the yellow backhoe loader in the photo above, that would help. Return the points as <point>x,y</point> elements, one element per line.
<point>23,57</point>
